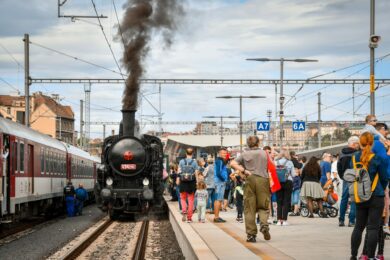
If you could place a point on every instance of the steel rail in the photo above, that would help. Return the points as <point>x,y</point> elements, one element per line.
<point>139,253</point>
<point>88,241</point>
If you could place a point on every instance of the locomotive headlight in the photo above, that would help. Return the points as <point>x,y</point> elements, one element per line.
<point>109,181</point>
<point>145,182</point>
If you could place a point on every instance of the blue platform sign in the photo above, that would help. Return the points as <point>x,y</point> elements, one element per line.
<point>299,126</point>
<point>263,126</point>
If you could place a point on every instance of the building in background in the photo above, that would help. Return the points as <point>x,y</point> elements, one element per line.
<point>48,116</point>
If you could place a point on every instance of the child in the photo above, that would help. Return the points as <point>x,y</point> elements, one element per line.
<point>201,197</point>
<point>238,194</point>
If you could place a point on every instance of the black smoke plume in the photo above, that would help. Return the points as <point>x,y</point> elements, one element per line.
<point>142,20</point>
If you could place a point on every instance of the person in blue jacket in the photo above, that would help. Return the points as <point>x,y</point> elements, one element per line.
<point>220,179</point>
<point>81,197</point>
<point>368,214</point>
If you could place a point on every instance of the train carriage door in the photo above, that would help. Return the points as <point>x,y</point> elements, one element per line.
<point>30,170</point>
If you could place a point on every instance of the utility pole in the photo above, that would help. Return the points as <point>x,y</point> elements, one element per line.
<point>27,79</point>
<point>319,119</point>
<point>159,111</point>
<point>81,123</point>
<point>372,58</point>
<point>269,115</point>
<point>87,90</point>
<point>281,102</point>
<point>353,100</point>
<point>240,124</point>
<point>104,131</point>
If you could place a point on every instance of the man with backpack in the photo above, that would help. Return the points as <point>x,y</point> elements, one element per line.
<point>81,197</point>
<point>188,169</point>
<point>343,164</point>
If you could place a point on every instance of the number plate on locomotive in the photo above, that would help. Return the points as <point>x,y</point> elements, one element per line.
<point>130,166</point>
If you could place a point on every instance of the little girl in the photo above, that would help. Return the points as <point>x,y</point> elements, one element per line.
<point>201,196</point>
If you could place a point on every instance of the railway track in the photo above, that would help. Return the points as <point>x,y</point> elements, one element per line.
<point>116,244</point>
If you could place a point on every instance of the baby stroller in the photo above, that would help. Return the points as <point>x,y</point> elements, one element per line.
<point>330,198</point>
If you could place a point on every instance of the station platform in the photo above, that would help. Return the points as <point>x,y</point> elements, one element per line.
<point>303,239</point>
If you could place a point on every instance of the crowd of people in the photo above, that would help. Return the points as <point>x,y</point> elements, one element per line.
<point>268,185</point>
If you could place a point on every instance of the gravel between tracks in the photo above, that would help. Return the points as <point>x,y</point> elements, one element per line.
<point>117,242</point>
<point>162,243</point>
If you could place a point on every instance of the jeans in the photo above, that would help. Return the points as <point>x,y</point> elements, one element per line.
<point>219,191</point>
<point>201,208</point>
<point>79,207</point>
<point>295,197</point>
<point>70,205</point>
<point>184,196</point>
<point>284,200</point>
<point>368,215</point>
<point>239,204</point>
<point>210,200</point>
<point>178,196</point>
<point>344,204</point>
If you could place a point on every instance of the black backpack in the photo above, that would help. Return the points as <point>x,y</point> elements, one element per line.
<point>187,171</point>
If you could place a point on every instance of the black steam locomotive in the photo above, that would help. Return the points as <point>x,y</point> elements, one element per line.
<point>130,178</point>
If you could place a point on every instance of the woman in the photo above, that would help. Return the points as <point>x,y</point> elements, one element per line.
<point>284,194</point>
<point>368,214</point>
<point>209,180</point>
<point>311,187</point>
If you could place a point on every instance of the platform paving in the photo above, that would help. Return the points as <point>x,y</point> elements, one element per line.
<point>303,239</point>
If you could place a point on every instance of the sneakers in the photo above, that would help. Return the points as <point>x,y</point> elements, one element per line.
<point>380,257</point>
<point>189,220</point>
<point>311,216</point>
<point>239,220</point>
<point>363,257</point>
<point>351,224</point>
<point>280,223</point>
<point>184,217</point>
<point>251,239</point>
<point>292,214</point>
<point>341,224</point>
<point>219,220</point>
<point>266,234</point>
<point>285,223</point>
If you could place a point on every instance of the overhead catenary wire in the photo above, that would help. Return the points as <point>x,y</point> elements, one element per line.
<point>107,41</point>
<point>75,58</point>
<point>9,84</point>
<point>334,71</point>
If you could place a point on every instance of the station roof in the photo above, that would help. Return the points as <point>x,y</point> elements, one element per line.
<point>205,140</point>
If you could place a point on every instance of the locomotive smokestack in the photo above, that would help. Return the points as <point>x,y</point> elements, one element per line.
<point>128,122</point>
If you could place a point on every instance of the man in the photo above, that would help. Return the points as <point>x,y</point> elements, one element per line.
<point>343,164</point>
<point>220,179</point>
<point>69,194</point>
<point>371,122</point>
<point>188,169</point>
<point>81,197</point>
<point>326,168</point>
<point>253,163</point>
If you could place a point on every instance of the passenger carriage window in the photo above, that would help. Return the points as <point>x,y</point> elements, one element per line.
<point>21,157</point>
<point>42,161</point>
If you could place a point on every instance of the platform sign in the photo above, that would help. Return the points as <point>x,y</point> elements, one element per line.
<point>263,126</point>
<point>299,126</point>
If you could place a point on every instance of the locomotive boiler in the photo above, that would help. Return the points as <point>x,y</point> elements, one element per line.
<point>130,178</point>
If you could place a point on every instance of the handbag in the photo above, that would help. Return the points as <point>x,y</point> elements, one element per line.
<point>273,177</point>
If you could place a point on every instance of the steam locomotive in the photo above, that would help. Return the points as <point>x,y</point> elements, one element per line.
<point>130,177</point>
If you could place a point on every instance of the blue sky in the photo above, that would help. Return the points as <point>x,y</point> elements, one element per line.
<point>212,41</point>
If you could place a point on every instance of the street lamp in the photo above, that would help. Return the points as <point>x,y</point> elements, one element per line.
<point>221,117</point>
<point>240,97</point>
<point>281,99</point>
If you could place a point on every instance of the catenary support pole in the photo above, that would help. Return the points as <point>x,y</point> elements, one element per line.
<point>27,79</point>
<point>372,60</point>
<point>240,124</point>
<point>281,100</point>
<point>319,120</point>
<point>81,123</point>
